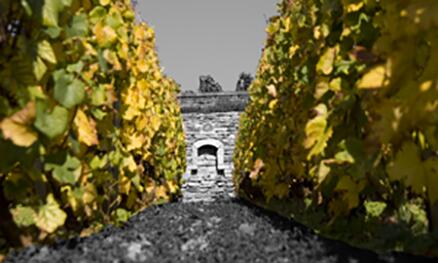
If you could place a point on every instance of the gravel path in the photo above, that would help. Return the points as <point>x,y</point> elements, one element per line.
<point>220,231</point>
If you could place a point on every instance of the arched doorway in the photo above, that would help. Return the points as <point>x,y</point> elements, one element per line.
<point>207,159</point>
<point>207,165</point>
<point>206,178</point>
<point>203,152</point>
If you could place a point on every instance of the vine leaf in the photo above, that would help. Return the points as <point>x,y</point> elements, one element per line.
<point>317,132</point>
<point>50,13</point>
<point>50,216</point>
<point>51,123</point>
<point>375,78</point>
<point>86,129</point>
<point>353,7</point>
<point>258,165</point>
<point>23,215</point>
<point>325,63</point>
<point>272,90</point>
<point>18,127</point>
<point>105,35</point>
<point>78,26</point>
<point>68,171</point>
<point>68,90</point>
<point>46,52</point>
<point>104,2</point>
<point>39,68</point>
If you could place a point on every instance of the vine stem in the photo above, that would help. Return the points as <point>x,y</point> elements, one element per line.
<point>7,225</point>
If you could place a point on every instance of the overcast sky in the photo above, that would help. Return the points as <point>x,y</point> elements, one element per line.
<point>199,37</point>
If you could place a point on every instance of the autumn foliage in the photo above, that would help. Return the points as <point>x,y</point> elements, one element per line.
<point>90,129</point>
<point>344,116</point>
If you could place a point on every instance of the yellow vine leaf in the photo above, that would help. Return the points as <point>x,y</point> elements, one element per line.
<point>86,129</point>
<point>161,192</point>
<point>321,31</point>
<point>325,63</point>
<point>134,141</point>
<point>425,86</point>
<point>272,90</point>
<point>322,86</point>
<point>39,68</point>
<point>105,35</point>
<point>141,123</point>
<point>272,104</point>
<point>374,79</point>
<point>129,163</point>
<point>142,65</point>
<point>317,132</point>
<point>90,194</point>
<point>104,2</point>
<point>111,57</point>
<point>71,198</point>
<point>173,187</point>
<point>50,216</point>
<point>134,102</point>
<point>323,171</point>
<point>124,184</point>
<point>89,49</point>
<point>45,51</point>
<point>336,84</point>
<point>18,127</point>
<point>258,165</point>
<point>344,157</point>
<point>123,51</point>
<point>155,123</point>
<point>353,7</point>
<point>293,50</point>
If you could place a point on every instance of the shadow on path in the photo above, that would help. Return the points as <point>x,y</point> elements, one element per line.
<point>227,230</point>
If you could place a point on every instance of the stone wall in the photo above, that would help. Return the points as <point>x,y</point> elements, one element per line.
<point>210,136</point>
<point>213,102</point>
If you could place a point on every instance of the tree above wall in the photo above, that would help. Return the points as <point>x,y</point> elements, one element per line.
<point>208,84</point>
<point>244,81</point>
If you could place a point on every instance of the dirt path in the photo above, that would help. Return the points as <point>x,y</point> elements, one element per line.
<point>221,231</point>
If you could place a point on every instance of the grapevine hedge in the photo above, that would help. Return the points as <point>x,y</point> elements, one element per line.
<point>343,116</point>
<point>90,128</point>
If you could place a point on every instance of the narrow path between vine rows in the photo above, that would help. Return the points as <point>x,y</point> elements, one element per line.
<point>221,231</point>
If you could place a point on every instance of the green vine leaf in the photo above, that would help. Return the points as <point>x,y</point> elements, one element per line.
<point>51,123</point>
<point>69,91</point>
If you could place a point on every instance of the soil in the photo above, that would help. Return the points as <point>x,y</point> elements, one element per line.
<point>227,230</point>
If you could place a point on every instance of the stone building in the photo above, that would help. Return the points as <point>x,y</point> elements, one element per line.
<point>211,121</point>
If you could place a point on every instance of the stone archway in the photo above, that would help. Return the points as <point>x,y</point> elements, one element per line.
<point>207,159</point>
<point>206,180</point>
<point>210,146</point>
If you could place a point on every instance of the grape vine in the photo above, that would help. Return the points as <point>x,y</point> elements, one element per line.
<point>90,128</point>
<point>344,109</point>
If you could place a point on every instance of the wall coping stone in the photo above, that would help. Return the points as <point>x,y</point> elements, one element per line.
<point>213,102</point>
